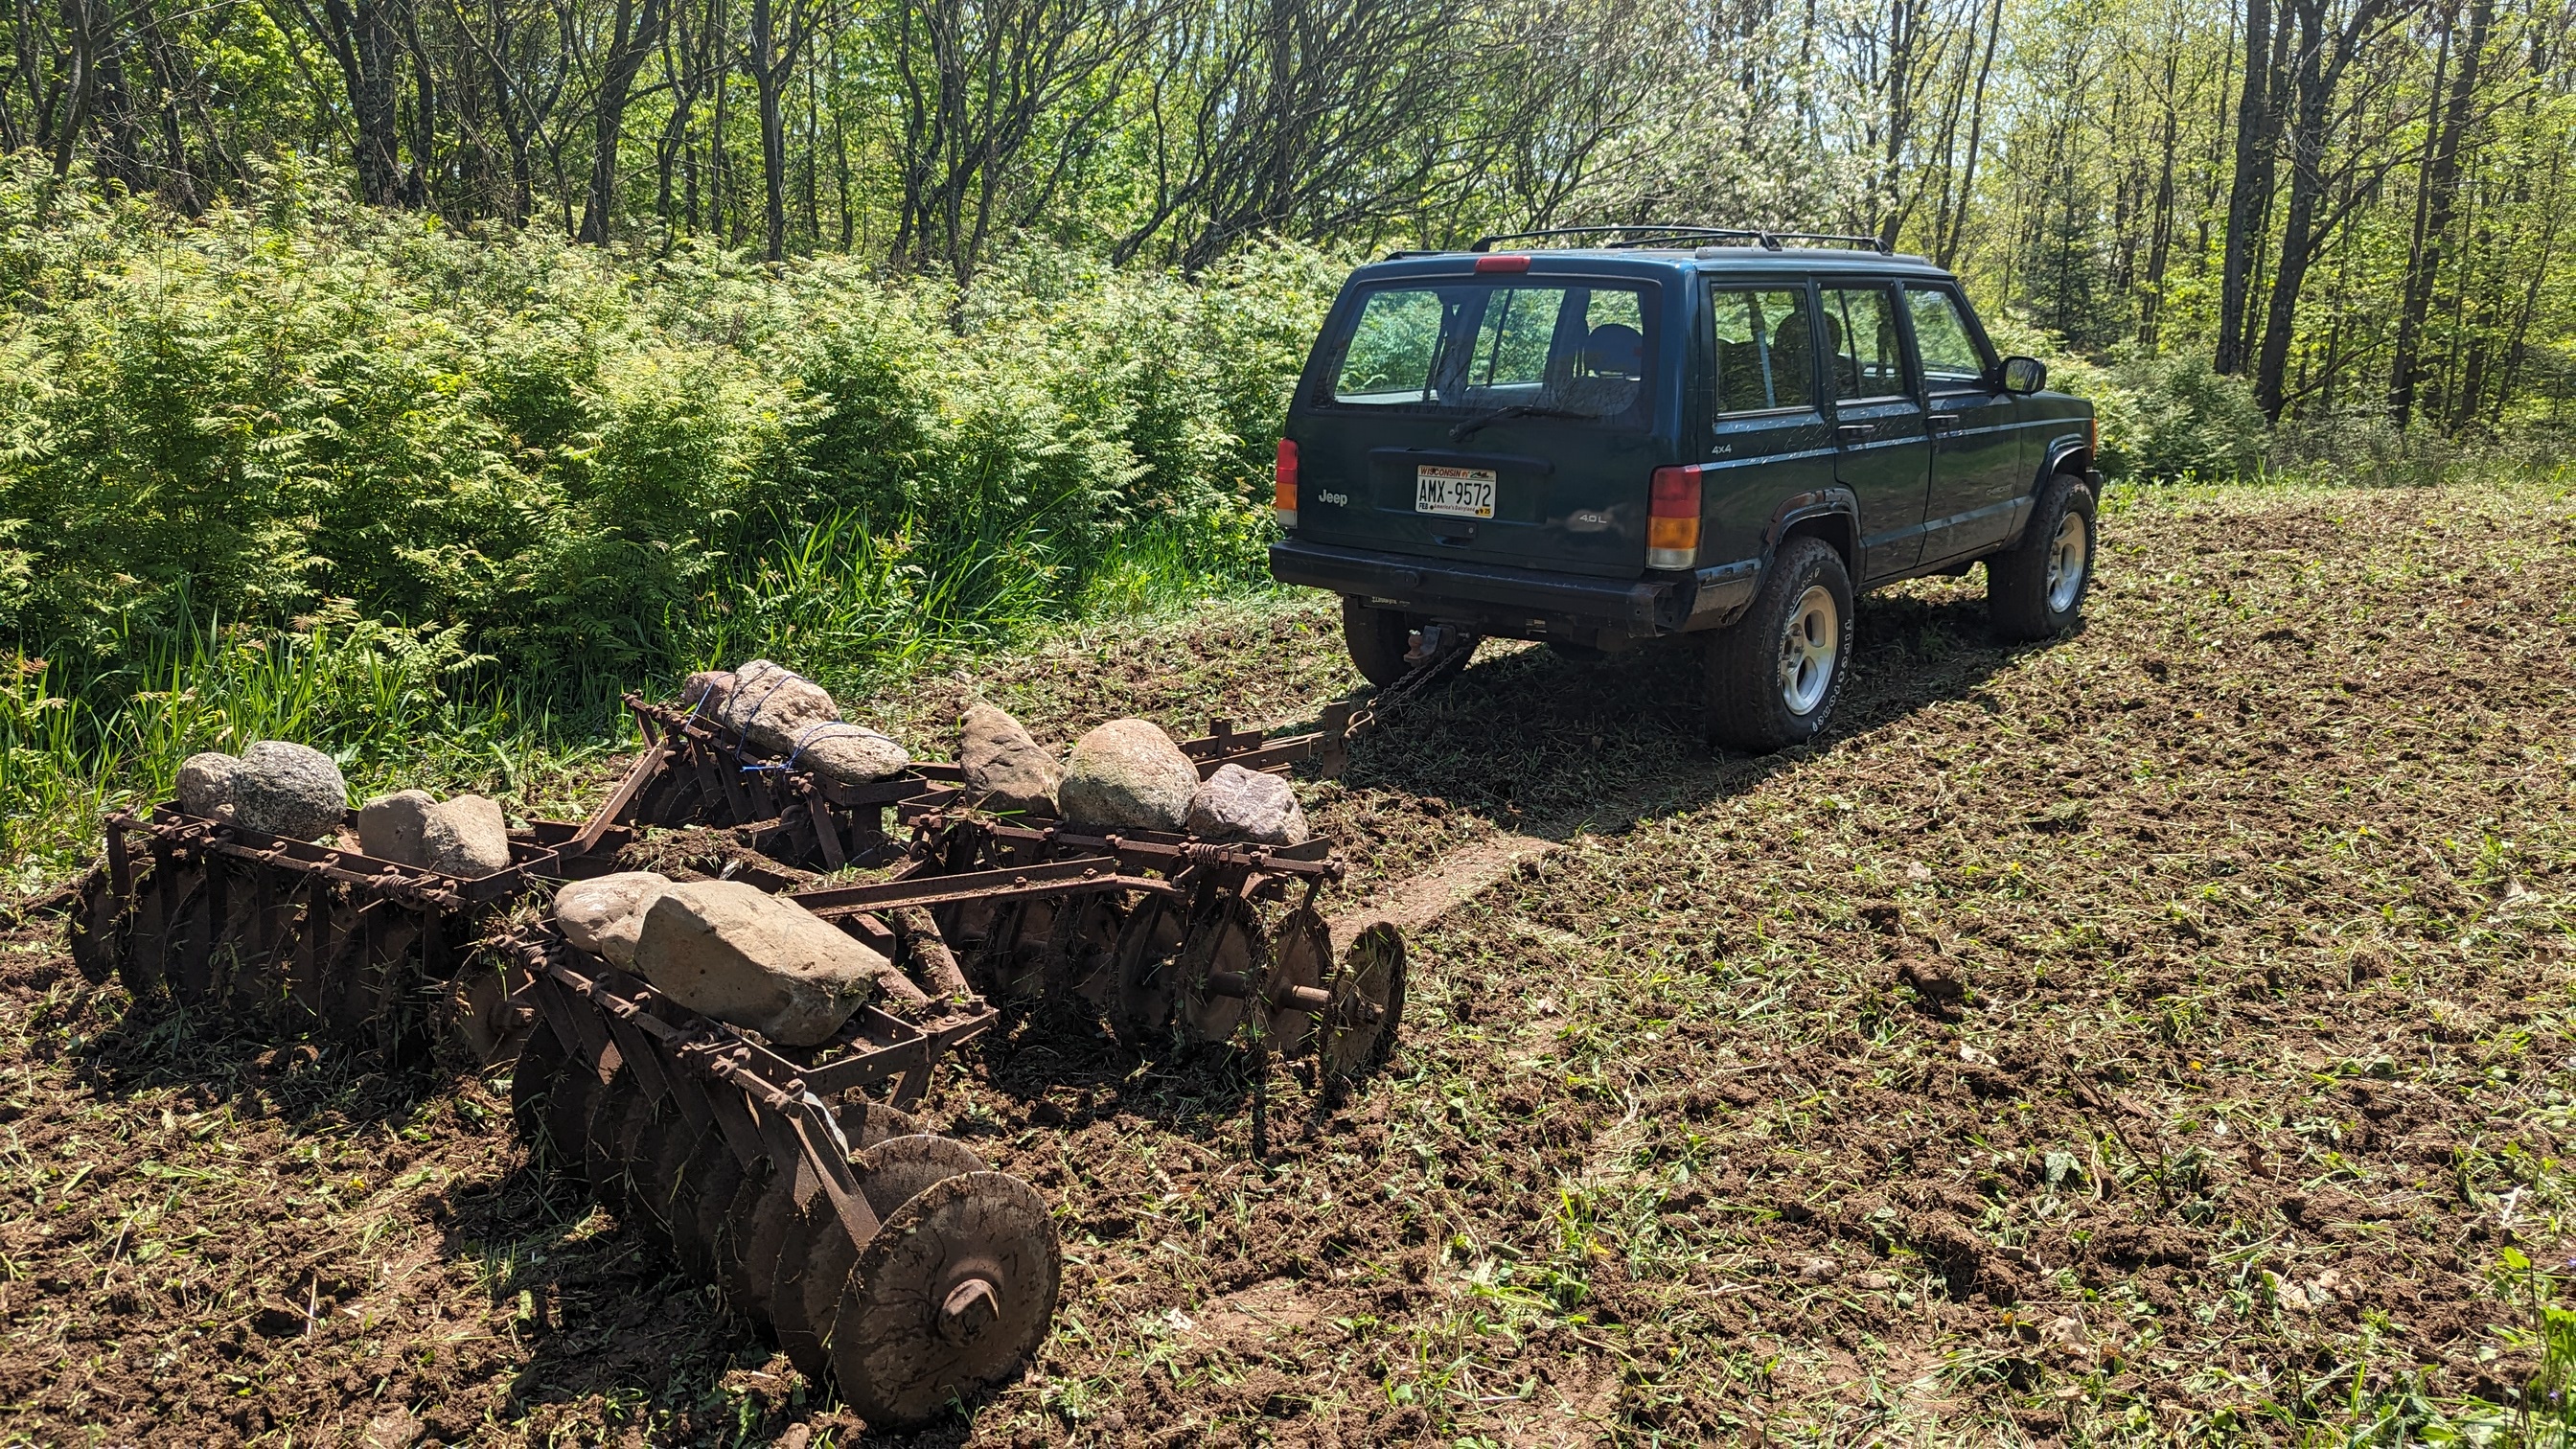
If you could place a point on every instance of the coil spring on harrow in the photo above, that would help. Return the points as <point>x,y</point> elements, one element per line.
<point>887,1261</point>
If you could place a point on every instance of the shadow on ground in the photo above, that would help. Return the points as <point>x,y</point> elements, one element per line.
<point>1535,742</point>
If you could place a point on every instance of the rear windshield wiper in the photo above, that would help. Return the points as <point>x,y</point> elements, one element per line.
<point>1460,433</point>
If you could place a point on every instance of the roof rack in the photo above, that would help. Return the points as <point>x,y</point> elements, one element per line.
<point>1642,236</point>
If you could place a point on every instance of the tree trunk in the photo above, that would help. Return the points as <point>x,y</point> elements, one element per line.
<point>2437,200</point>
<point>635,38</point>
<point>2323,54</point>
<point>769,77</point>
<point>1954,228</point>
<point>360,36</point>
<point>2307,181</point>
<point>2249,197</point>
<point>2160,227</point>
<point>79,79</point>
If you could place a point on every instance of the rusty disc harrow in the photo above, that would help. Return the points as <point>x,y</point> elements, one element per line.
<point>1164,934</point>
<point>888,1262</point>
<point>293,936</point>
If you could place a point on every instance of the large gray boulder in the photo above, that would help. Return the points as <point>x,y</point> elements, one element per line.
<point>206,784</point>
<point>605,914</point>
<point>288,789</point>
<point>784,712</point>
<point>389,826</point>
<point>1128,772</point>
<point>852,754</point>
<point>1240,804</point>
<point>1005,769</point>
<point>466,836</point>
<point>705,691</point>
<point>738,954</point>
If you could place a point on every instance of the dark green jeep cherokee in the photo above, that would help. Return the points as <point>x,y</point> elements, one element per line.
<point>1687,430</point>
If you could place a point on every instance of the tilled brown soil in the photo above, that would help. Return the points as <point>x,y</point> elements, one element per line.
<point>2162,1033</point>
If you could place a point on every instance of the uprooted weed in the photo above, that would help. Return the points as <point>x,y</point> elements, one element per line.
<point>2163,1033</point>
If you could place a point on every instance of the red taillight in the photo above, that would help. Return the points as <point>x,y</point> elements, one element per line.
<point>1672,518</point>
<point>1283,485</point>
<point>1502,264</point>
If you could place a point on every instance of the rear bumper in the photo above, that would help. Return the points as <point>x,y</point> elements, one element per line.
<point>1520,602</point>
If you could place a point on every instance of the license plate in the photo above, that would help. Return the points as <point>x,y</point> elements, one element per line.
<point>1460,492</point>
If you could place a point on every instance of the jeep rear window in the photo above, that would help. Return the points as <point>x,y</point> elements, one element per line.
<point>1474,346</point>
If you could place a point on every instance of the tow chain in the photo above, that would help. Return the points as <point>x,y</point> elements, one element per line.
<point>1420,677</point>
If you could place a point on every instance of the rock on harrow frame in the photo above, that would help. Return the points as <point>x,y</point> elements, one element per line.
<point>695,771</point>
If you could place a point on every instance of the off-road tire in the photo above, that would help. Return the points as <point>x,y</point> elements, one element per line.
<point>1378,640</point>
<point>2026,598</point>
<point>1749,705</point>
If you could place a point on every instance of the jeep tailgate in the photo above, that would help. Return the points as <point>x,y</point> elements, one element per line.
<point>1492,421</point>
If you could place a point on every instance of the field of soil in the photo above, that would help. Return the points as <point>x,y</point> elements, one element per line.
<point>2164,1033</point>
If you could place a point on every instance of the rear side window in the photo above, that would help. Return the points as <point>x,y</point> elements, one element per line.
<point>1765,354</point>
<point>1472,346</point>
<point>1861,346</point>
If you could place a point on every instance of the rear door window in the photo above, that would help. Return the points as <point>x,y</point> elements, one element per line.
<point>1765,355</point>
<point>1865,356</point>
<point>1557,350</point>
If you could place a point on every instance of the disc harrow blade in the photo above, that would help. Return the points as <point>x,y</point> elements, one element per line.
<point>807,1294</point>
<point>1148,962</point>
<point>1301,957</point>
<point>99,923</point>
<point>535,1077</point>
<point>1224,958</point>
<point>1367,998</point>
<point>947,1301</point>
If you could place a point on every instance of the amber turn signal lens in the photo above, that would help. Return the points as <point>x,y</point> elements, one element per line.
<point>1672,518</point>
<point>1283,485</point>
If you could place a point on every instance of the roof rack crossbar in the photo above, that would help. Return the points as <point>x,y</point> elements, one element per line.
<point>1844,239</point>
<point>1486,243</point>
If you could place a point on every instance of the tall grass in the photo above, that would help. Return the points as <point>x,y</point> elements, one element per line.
<point>399,707</point>
<point>391,706</point>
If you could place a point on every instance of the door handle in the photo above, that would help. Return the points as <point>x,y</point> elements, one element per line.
<point>1853,432</point>
<point>1941,420</point>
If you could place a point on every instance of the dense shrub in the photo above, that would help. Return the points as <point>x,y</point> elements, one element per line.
<point>2185,420</point>
<point>581,457</point>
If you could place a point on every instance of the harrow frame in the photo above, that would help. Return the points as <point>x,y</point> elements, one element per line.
<point>293,934</point>
<point>695,771</point>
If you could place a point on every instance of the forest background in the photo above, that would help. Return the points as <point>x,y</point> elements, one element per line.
<point>407,376</point>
